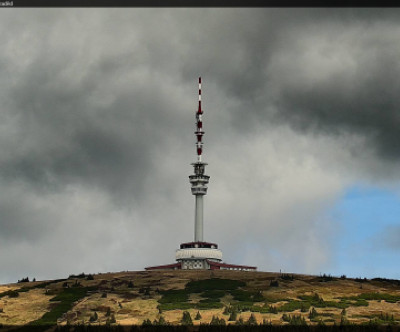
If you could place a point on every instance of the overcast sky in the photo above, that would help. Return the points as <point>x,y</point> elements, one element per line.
<point>302,119</point>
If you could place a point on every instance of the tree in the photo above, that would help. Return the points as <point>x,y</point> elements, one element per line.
<point>198,316</point>
<point>146,322</point>
<point>233,316</point>
<point>313,313</point>
<point>186,318</point>
<point>252,320</point>
<point>94,317</point>
<point>266,322</point>
<point>162,321</point>
<point>239,321</point>
<point>343,320</point>
<point>217,321</point>
<point>130,284</point>
<point>108,313</point>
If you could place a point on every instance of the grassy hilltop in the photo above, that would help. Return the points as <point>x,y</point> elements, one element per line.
<point>201,297</point>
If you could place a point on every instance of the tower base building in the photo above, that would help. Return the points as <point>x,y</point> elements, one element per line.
<point>199,255</point>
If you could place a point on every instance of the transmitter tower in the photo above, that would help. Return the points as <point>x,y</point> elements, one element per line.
<point>200,254</point>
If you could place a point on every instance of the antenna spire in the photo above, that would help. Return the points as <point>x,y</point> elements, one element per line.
<point>199,127</point>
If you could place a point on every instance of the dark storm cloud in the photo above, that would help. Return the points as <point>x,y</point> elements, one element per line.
<point>67,131</point>
<point>254,57</point>
<point>97,121</point>
<point>322,71</point>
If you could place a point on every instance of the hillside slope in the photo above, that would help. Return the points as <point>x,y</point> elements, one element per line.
<point>129,298</point>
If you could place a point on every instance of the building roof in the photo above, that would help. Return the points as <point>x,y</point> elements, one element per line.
<point>162,267</point>
<point>230,266</point>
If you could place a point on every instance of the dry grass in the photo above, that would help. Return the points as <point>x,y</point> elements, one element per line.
<point>27,307</point>
<point>132,306</point>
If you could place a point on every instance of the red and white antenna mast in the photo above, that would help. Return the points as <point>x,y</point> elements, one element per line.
<point>199,127</point>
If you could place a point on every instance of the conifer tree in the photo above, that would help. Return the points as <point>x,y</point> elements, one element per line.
<point>239,321</point>
<point>313,313</point>
<point>186,318</point>
<point>198,316</point>
<point>252,320</point>
<point>233,316</point>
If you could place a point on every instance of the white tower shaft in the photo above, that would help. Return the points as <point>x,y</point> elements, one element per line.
<point>198,224</point>
<point>199,180</point>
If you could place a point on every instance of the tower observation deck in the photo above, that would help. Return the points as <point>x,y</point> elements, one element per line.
<point>199,254</point>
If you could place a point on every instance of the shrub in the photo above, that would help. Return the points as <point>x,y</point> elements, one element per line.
<point>130,284</point>
<point>214,294</point>
<point>294,320</point>
<point>73,276</point>
<point>380,297</point>
<point>241,295</point>
<point>274,283</point>
<point>325,278</point>
<point>287,277</point>
<point>23,280</point>
<point>67,297</point>
<point>258,297</point>
<point>304,307</point>
<point>12,293</point>
<point>209,300</point>
<point>173,296</point>
<point>199,286</point>
<point>174,306</point>
<point>293,305</point>
<point>272,309</point>
<point>90,277</point>
<point>252,320</point>
<point>207,305</point>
